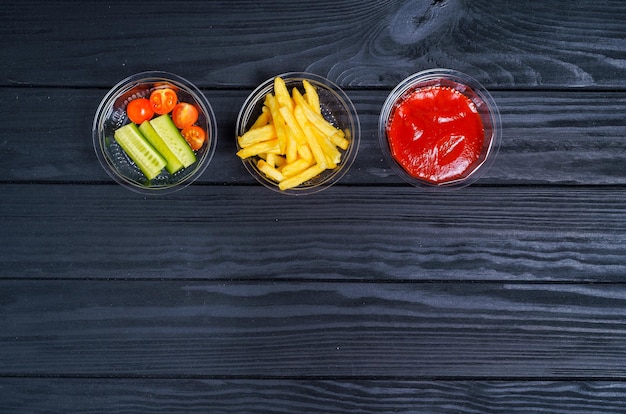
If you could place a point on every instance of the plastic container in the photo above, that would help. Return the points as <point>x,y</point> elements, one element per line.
<point>336,108</point>
<point>111,115</point>
<point>484,105</point>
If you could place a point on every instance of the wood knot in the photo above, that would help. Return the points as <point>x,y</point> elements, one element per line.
<point>416,20</point>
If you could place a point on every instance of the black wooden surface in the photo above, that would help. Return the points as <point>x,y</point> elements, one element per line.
<point>370,297</point>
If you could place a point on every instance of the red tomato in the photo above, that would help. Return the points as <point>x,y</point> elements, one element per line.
<point>163,100</point>
<point>184,115</point>
<point>195,136</point>
<point>139,110</point>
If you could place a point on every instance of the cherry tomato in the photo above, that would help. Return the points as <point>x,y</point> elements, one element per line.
<point>163,100</point>
<point>139,110</point>
<point>195,136</point>
<point>184,115</point>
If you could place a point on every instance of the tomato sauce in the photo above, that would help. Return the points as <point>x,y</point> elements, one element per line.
<point>436,134</point>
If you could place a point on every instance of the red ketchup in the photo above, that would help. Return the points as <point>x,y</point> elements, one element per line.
<point>436,134</point>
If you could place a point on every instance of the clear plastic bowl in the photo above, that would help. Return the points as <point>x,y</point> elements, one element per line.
<point>472,89</point>
<point>336,108</point>
<point>111,115</point>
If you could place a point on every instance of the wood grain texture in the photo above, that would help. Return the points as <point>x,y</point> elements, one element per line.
<point>268,396</point>
<point>273,330</point>
<point>548,138</point>
<point>344,233</point>
<point>509,44</point>
<point>371,297</point>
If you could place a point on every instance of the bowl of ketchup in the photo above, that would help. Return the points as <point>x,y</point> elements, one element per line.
<point>439,129</point>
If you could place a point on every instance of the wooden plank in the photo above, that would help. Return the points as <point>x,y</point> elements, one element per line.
<point>355,43</point>
<point>224,233</point>
<point>289,396</point>
<point>548,138</point>
<point>277,330</point>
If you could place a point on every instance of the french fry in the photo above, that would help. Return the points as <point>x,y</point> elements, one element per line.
<point>292,125</point>
<point>330,150</point>
<point>299,99</point>
<point>278,122</point>
<point>275,160</point>
<point>270,171</point>
<point>281,93</point>
<point>339,140</point>
<point>304,152</point>
<point>320,123</point>
<point>295,167</point>
<point>312,97</point>
<point>298,179</point>
<point>256,135</point>
<point>291,140</point>
<point>259,148</point>
<point>314,144</point>
<point>295,136</point>
<point>263,119</point>
<point>291,148</point>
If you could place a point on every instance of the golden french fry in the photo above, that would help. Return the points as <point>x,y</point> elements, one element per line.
<point>294,135</point>
<point>262,119</point>
<point>330,150</point>
<point>256,135</point>
<point>292,125</point>
<point>312,97</point>
<point>270,171</point>
<point>278,122</point>
<point>297,97</point>
<point>314,145</point>
<point>275,160</point>
<point>304,152</point>
<point>320,123</point>
<point>281,93</point>
<point>298,179</point>
<point>295,167</point>
<point>270,101</point>
<point>339,140</point>
<point>291,148</point>
<point>259,148</point>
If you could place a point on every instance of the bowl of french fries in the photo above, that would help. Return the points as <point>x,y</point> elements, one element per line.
<point>297,133</point>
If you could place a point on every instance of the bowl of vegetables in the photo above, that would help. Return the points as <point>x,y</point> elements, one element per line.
<point>297,133</point>
<point>154,132</point>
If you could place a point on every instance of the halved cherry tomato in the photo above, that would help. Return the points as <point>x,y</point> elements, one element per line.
<point>139,110</point>
<point>163,100</point>
<point>184,115</point>
<point>195,136</point>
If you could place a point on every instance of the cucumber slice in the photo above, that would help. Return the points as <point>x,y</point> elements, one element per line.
<point>164,126</point>
<point>149,161</point>
<point>173,164</point>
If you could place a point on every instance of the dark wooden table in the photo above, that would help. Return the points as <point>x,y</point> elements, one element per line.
<point>508,296</point>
